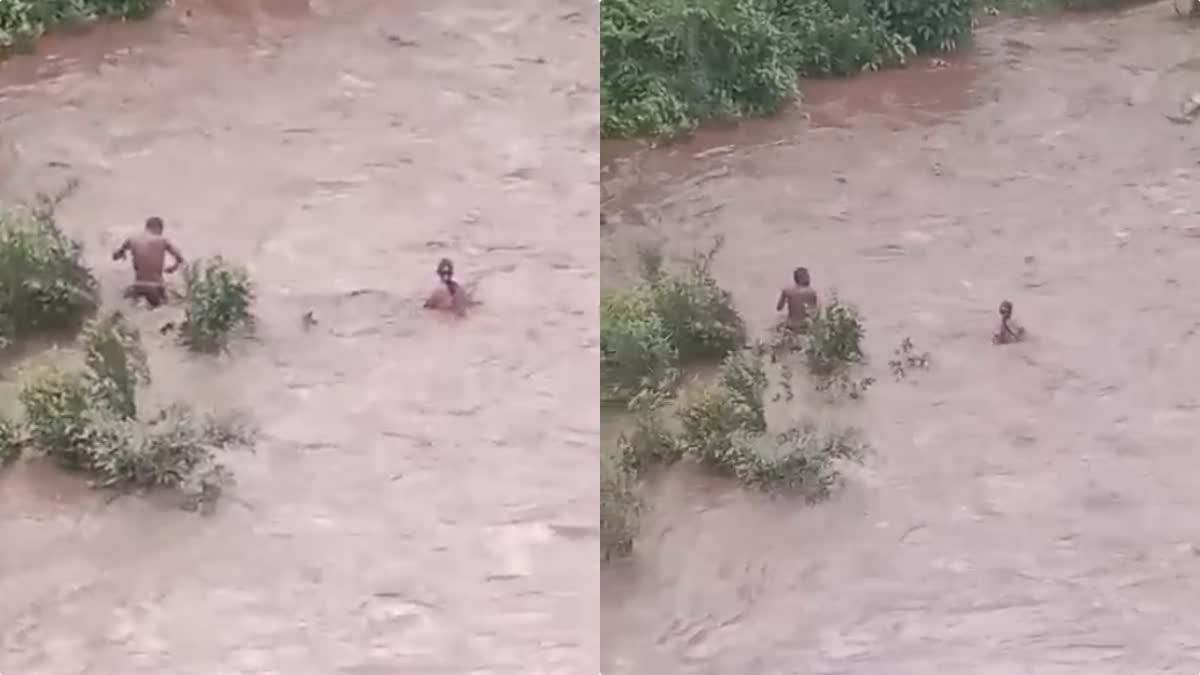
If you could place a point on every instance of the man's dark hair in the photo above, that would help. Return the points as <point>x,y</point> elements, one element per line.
<point>801,276</point>
<point>154,223</point>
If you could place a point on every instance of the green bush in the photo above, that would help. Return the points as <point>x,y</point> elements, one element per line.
<point>661,322</point>
<point>218,301</point>
<point>620,506</point>
<point>116,363</point>
<point>725,429</point>
<point>834,339</point>
<point>649,441</point>
<point>636,351</point>
<point>86,420</point>
<point>24,21</point>
<point>44,285</point>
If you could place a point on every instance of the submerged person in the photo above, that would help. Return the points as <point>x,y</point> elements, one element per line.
<point>449,296</point>
<point>799,299</point>
<point>1009,330</point>
<point>149,250</point>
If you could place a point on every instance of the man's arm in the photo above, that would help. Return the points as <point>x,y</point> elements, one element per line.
<point>122,249</point>
<point>782,301</point>
<point>176,255</point>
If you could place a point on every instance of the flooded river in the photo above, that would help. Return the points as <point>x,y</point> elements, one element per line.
<point>424,496</point>
<point>1030,509</point>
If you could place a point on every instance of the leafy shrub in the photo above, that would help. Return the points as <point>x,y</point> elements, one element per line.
<point>23,21</point>
<point>86,420</point>
<point>801,460</point>
<point>636,351</point>
<point>837,41</point>
<point>12,441</point>
<point>619,505</point>
<point>176,448</point>
<point>661,322</point>
<point>648,442</point>
<point>698,315</point>
<point>218,304</point>
<point>834,339</point>
<point>725,429</point>
<point>59,416</point>
<point>116,363</point>
<point>44,285</point>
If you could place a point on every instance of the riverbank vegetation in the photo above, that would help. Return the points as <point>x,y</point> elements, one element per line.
<point>22,22</point>
<point>667,66</point>
<point>747,421</point>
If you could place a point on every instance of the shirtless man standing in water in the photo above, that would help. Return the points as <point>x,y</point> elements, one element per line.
<point>149,251</point>
<point>800,299</point>
<point>449,295</point>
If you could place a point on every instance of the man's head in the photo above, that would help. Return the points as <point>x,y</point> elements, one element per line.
<point>1006,310</point>
<point>445,269</point>
<point>801,276</point>
<point>154,225</point>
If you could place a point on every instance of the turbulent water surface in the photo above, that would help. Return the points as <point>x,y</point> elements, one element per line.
<point>423,499</point>
<point>1030,509</point>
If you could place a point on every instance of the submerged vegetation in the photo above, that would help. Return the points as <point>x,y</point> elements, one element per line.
<point>87,419</point>
<point>746,422</point>
<point>22,22</point>
<point>667,66</point>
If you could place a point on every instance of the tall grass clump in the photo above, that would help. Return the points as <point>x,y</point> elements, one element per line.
<point>669,65</point>
<point>661,322</point>
<point>218,302</point>
<point>44,285</point>
<point>87,419</point>
<point>23,21</point>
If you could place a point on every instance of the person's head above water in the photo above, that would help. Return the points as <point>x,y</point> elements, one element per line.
<point>445,272</point>
<point>1005,309</point>
<point>801,276</point>
<point>154,225</point>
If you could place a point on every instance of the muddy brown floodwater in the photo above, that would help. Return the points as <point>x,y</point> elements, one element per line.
<point>424,496</point>
<point>1030,509</point>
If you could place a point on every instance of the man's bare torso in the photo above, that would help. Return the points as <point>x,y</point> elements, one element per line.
<point>800,301</point>
<point>149,252</point>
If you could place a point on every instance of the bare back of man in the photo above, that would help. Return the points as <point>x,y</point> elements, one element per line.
<point>800,302</point>
<point>149,250</point>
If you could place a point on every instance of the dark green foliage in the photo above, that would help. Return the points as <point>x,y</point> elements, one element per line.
<point>834,340</point>
<point>668,65</point>
<point>44,285</point>
<point>219,297</point>
<point>24,21</point>
<point>663,321</point>
<point>12,441</point>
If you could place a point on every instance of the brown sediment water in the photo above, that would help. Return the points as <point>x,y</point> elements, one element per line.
<point>423,499</point>
<point>1029,509</point>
